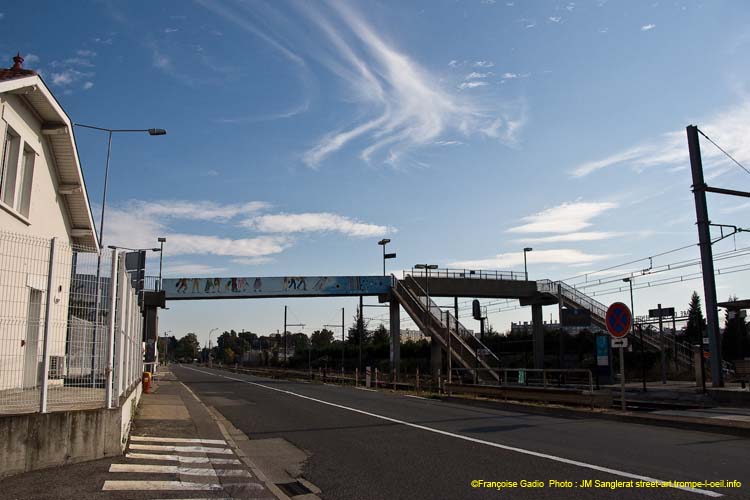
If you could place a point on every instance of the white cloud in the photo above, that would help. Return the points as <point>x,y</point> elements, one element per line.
<point>314,222</point>
<point>510,76</point>
<point>30,59</point>
<point>471,85</point>
<point>86,53</point>
<point>729,128</point>
<point>448,143</point>
<point>555,19</point>
<point>88,85</point>
<point>196,210</point>
<point>572,237</point>
<point>252,261</point>
<point>564,218</point>
<point>453,63</point>
<point>648,27</point>
<point>484,64</point>
<point>474,75</point>
<point>137,229</point>
<point>508,260</point>
<point>191,269</point>
<point>170,30</point>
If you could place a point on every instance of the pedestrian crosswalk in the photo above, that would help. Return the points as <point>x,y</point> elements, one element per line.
<point>164,464</point>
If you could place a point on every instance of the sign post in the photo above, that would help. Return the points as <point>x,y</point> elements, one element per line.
<point>619,321</point>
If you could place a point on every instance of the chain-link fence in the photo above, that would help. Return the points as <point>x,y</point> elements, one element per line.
<point>58,348</point>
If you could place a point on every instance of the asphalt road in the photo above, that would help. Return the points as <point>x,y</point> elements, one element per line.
<point>372,445</point>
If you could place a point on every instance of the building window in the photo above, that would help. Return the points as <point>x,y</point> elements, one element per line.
<point>16,177</point>
<point>24,182</point>
<point>8,176</point>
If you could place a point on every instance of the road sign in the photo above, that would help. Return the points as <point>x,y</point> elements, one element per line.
<point>663,312</point>
<point>576,317</point>
<point>618,320</point>
<point>620,342</point>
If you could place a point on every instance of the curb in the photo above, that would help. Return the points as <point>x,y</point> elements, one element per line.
<point>228,437</point>
<point>688,423</point>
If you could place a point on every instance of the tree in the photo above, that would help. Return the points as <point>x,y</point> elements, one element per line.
<point>322,338</point>
<point>696,323</point>
<point>381,335</point>
<point>359,325</point>
<point>187,347</point>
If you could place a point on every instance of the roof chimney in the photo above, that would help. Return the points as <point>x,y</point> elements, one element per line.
<point>17,62</point>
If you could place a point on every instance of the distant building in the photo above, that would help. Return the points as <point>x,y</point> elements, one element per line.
<point>527,327</point>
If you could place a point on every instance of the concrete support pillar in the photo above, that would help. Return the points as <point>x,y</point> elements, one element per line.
<point>436,358</point>
<point>538,335</point>
<point>395,316</point>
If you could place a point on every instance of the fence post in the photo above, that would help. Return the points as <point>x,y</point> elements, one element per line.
<point>356,377</point>
<point>417,384</point>
<point>376,378</point>
<point>45,339</point>
<point>111,330</point>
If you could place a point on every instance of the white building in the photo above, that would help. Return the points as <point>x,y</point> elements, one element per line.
<point>42,196</point>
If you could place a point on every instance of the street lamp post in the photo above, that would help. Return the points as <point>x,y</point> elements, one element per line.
<point>386,256</point>
<point>151,131</point>
<point>209,345</point>
<point>161,241</point>
<point>166,346</point>
<point>629,281</point>
<point>525,269</point>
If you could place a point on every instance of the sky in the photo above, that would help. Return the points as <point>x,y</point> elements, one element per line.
<point>302,132</point>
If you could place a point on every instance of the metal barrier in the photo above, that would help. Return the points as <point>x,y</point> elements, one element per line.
<point>476,274</point>
<point>59,310</point>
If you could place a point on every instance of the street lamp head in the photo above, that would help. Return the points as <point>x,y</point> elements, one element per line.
<point>156,249</point>
<point>626,280</point>
<point>528,249</point>
<point>161,239</point>
<point>384,241</point>
<point>157,131</point>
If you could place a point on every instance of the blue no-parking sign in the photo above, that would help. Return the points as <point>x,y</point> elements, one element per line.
<point>618,320</point>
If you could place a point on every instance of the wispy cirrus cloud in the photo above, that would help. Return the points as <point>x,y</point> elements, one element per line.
<point>648,27</point>
<point>729,128</point>
<point>408,107</point>
<point>567,256</point>
<point>571,237</point>
<point>564,218</point>
<point>196,210</point>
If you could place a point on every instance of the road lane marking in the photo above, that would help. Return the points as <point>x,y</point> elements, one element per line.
<point>360,388</point>
<point>415,397</point>
<point>159,485</point>
<point>177,469</point>
<point>183,459</point>
<point>180,449</point>
<point>471,439</point>
<point>177,440</point>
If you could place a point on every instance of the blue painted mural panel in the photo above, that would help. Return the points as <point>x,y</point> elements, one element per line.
<point>288,286</point>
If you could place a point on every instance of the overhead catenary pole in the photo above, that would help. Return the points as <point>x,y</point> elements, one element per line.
<point>661,348</point>
<point>707,260</point>
<point>360,330</point>
<point>343,342</point>
<point>285,342</point>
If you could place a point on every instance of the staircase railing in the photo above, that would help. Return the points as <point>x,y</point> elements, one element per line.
<point>576,298</point>
<point>470,350</point>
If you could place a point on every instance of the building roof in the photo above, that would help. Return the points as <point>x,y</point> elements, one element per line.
<point>16,71</point>
<point>58,130</point>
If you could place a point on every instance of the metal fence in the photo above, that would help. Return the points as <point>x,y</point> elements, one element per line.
<point>59,311</point>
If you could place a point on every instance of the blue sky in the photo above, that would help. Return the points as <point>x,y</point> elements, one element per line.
<point>300,133</point>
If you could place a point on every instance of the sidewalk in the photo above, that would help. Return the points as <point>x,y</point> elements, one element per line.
<point>177,449</point>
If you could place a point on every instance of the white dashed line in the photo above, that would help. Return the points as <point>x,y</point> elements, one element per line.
<point>158,485</point>
<point>177,440</point>
<point>181,449</point>
<point>183,459</point>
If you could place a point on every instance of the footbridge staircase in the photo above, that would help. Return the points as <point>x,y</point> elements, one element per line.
<point>443,327</point>
<point>574,298</point>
